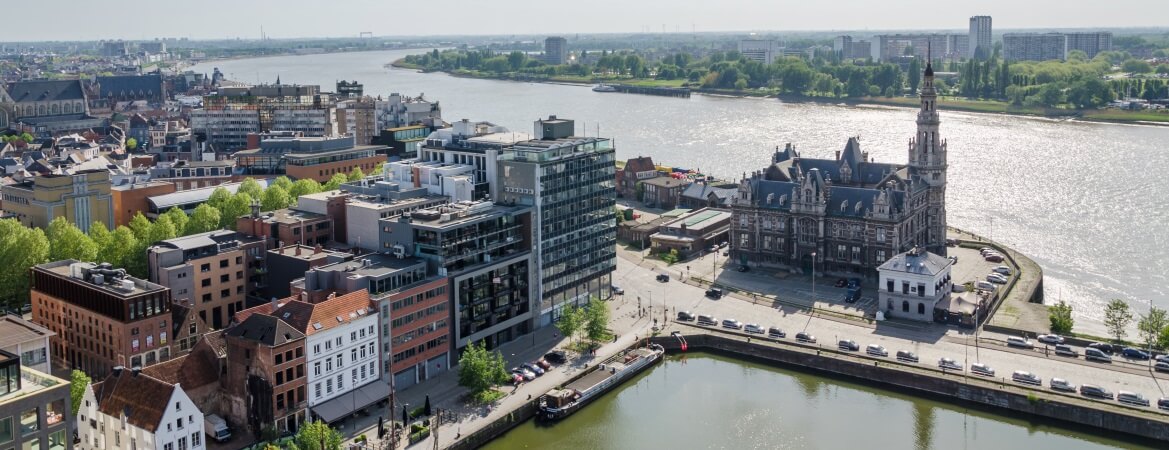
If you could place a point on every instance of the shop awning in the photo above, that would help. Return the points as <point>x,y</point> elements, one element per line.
<point>348,402</point>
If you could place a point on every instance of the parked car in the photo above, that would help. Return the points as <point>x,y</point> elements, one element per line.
<point>1051,339</point>
<point>1161,357</point>
<point>1161,366</point>
<point>1095,354</point>
<point>685,316</point>
<point>848,345</point>
<point>543,364</point>
<point>907,356</point>
<point>996,278</point>
<point>618,291</point>
<point>527,374</point>
<point>556,357</point>
<point>1025,377</point>
<point>993,258</point>
<point>704,319</point>
<point>985,285</point>
<point>949,363</point>
<point>953,259</point>
<point>663,277</point>
<point>516,378</point>
<point>986,250</point>
<point>951,242</point>
<point>1091,390</point>
<point>753,328</point>
<point>1060,384</point>
<point>1163,403</point>
<point>1005,270</point>
<point>841,282</point>
<point>853,295</point>
<point>1135,353</point>
<point>722,244</point>
<point>743,268</point>
<point>1106,348</point>
<point>854,283</point>
<point>876,350</point>
<point>535,368</point>
<point>982,369</point>
<point>732,324</point>
<point>804,336</point>
<point>775,332</point>
<point>1131,398</point>
<point>714,293</point>
<point>1066,350</point>
<point>1015,341</point>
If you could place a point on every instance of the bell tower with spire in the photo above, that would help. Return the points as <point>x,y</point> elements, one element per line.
<point>927,159</point>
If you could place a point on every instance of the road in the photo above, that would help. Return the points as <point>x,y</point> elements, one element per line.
<point>930,341</point>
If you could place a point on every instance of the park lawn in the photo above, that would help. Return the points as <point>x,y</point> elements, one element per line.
<point>1127,116</point>
<point>656,83</point>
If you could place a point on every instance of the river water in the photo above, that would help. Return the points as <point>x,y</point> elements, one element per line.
<point>700,401</point>
<point>1088,201</point>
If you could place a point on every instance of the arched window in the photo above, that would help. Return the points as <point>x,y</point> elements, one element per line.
<point>921,308</point>
<point>68,108</point>
<point>904,306</point>
<point>40,110</point>
<point>28,110</point>
<point>56,108</point>
<point>77,107</point>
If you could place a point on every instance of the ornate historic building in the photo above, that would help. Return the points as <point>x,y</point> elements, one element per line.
<point>848,215</point>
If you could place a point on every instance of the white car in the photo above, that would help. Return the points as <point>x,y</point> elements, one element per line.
<point>1060,384</point>
<point>1002,269</point>
<point>949,363</point>
<point>1025,377</point>
<point>1050,339</point>
<point>753,328</point>
<point>876,350</point>
<point>996,278</point>
<point>982,369</point>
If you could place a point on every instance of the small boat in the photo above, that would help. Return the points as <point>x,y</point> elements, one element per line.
<point>561,402</point>
<point>604,88</point>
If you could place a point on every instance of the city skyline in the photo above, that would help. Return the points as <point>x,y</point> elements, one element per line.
<point>220,19</point>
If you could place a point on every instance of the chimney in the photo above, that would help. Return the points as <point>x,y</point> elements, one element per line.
<point>136,370</point>
<point>117,370</point>
<point>297,249</point>
<point>255,209</point>
<point>318,249</point>
<point>838,155</point>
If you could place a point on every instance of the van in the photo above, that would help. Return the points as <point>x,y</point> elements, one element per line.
<point>907,356</point>
<point>1091,390</point>
<point>704,319</point>
<point>1095,354</point>
<point>1025,377</point>
<point>1015,341</point>
<point>1066,350</point>
<point>1131,398</point>
<point>1163,403</point>
<point>714,293</point>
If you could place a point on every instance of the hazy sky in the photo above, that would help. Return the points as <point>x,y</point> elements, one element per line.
<point>210,19</point>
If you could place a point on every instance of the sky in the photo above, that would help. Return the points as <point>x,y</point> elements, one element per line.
<point>217,19</point>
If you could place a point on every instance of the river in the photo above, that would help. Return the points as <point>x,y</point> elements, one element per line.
<point>704,401</point>
<point>1089,202</point>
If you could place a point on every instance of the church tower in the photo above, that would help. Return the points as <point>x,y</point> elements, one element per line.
<point>927,159</point>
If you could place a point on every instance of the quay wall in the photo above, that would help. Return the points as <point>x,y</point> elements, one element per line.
<point>995,393</point>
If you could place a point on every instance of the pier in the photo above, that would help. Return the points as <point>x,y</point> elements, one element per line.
<point>660,91</point>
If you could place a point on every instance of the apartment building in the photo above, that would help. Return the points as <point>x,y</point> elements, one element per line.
<point>27,340</point>
<point>102,317</point>
<point>130,199</point>
<point>34,407</point>
<point>302,157</point>
<point>131,410</point>
<point>474,144</point>
<point>265,380</point>
<point>210,273</point>
<point>1034,46</point>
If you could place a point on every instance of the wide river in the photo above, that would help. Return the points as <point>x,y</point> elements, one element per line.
<point>701,401</point>
<point>1088,201</point>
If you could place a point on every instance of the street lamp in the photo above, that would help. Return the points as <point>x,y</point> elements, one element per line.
<point>813,276</point>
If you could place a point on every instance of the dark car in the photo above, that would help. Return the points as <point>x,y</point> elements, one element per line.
<point>848,345</point>
<point>556,357</point>
<point>907,356</point>
<point>854,283</point>
<point>853,295</point>
<point>1135,353</point>
<point>1091,390</point>
<point>743,268</point>
<point>1106,348</point>
<point>663,277</point>
<point>714,293</point>
<point>685,316</point>
<point>804,336</point>
<point>841,282</point>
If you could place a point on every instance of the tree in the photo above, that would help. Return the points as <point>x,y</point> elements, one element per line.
<point>597,320</point>
<point>1151,325</point>
<point>571,320</point>
<point>251,187</point>
<point>1060,315</point>
<point>20,249</point>
<point>78,381</point>
<point>180,219</point>
<point>318,436</point>
<point>275,198</point>
<point>1136,66</point>
<point>516,59</point>
<point>356,175</point>
<point>281,181</point>
<point>162,229</point>
<point>304,187</point>
<point>131,144</point>
<point>914,74</point>
<point>100,235</point>
<point>118,249</point>
<point>480,370</point>
<point>68,242</point>
<point>140,225</point>
<point>238,205</point>
<point>1117,317</point>
<point>205,218</point>
<point>335,182</point>
<point>671,256</point>
<point>218,197</point>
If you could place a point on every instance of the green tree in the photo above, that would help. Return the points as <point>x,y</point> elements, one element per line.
<point>238,205</point>
<point>1136,66</point>
<point>480,370</point>
<point>78,381</point>
<point>1060,315</point>
<point>218,197</point>
<point>100,235</point>
<point>131,144</point>
<point>1163,340</point>
<point>1117,317</point>
<point>318,436</point>
<point>275,198</point>
<point>119,247</point>
<point>597,320</point>
<point>1151,325</point>
<point>914,74</point>
<point>571,321</point>
<point>20,249</point>
<point>671,256</point>
<point>68,242</point>
<point>180,219</point>
<point>162,229</point>
<point>377,168</point>
<point>304,187</point>
<point>335,182</point>
<point>356,175</point>
<point>516,59</point>
<point>281,181</point>
<point>203,219</point>
<point>251,187</point>
<point>140,225</point>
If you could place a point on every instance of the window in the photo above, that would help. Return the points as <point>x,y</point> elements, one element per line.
<point>196,439</point>
<point>168,446</point>
<point>889,285</point>
<point>904,306</point>
<point>340,361</point>
<point>920,289</point>
<point>178,407</point>
<point>225,293</point>
<point>921,308</point>
<point>317,390</point>
<point>222,263</point>
<point>279,358</point>
<point>881,234</point>
<point>317,368</point>
<point>205,267</point>
<point>6,434</point>
<point>205,282</point>
<point>340,382</point>
<point>905,287</point>
<point>224,278</point>
<point>179,423</point>
<point>329,386</point>
<point>183,443</point>
<point>206,297</point>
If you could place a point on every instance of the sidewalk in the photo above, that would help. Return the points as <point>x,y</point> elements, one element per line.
<point>446,394</point>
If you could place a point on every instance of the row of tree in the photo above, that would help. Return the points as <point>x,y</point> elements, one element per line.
<point>22,247</point>
<point>1152,327</point>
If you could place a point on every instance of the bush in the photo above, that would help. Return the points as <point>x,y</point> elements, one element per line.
<point>418,412</point>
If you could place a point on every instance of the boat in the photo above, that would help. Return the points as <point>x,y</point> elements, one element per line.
<point>563,401</point>
<point>604,88</point>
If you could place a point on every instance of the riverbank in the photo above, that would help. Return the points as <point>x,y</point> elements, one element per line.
<point>944,103</point>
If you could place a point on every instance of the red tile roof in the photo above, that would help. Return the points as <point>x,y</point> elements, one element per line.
<point>142,398</point>
<point>310,318</point>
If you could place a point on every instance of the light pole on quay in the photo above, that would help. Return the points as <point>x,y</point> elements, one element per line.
<point>813,276</point>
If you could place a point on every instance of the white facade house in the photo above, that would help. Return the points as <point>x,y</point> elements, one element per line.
<point>439,178</point>
<point>762,50</point>
<point>134,411</point>
<point>912,283</point>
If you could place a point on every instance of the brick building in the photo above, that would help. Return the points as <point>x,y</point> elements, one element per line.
<point>212,273</point>
<point>131,199</point>
<point>265,379</point>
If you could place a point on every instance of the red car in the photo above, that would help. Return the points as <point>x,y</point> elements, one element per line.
<point>994,258</point>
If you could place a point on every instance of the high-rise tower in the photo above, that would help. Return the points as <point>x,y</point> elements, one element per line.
<point>980,44</point>
<point>927,159</point>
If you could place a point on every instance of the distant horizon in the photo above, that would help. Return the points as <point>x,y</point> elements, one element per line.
<point>214,20</point>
